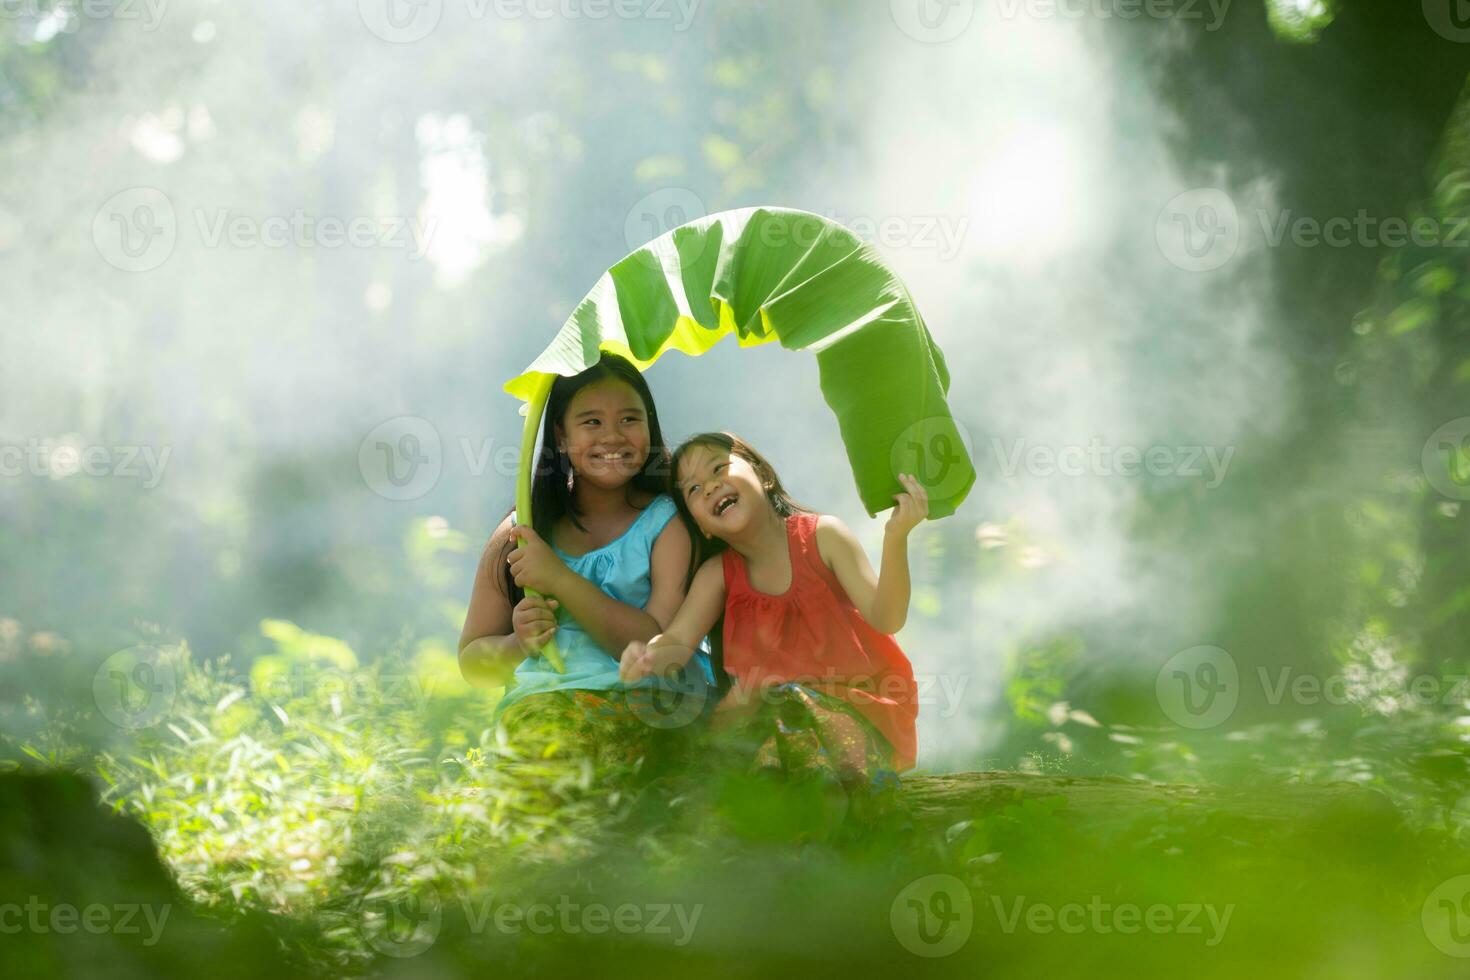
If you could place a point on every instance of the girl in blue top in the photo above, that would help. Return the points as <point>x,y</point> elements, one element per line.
<point>604,551</point>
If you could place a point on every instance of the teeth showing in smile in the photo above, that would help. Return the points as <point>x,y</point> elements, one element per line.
<point>611,457</point>
<point>724,504</point>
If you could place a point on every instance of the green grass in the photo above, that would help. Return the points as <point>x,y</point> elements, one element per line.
<point>364,812</point>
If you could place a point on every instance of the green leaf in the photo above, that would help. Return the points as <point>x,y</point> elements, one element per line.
<point>1297,22</point>
<point>771,274</point>
<point>304,645</point>
<point>1411,316</point>
<point>1434,279</point>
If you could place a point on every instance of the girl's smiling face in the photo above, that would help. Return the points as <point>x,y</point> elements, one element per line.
<point>605,433</point>
<point>722,490</point>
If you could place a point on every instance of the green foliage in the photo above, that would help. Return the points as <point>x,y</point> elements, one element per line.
<point>1300,21</point>
<point>325,802</point>
<point>331,787</point>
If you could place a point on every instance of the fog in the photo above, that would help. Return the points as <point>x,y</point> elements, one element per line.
<point>243,237</point>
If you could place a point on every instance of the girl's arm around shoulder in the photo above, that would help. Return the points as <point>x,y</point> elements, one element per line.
<point>693,621</point>
<point>489,610</point>
<point>494,637</point>
<point>668,565</point>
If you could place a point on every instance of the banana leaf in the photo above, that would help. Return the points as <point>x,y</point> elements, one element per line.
<point>772,274</point>
<point>801,280</point>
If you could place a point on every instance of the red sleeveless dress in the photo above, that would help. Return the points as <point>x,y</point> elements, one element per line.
<point>813,635</point>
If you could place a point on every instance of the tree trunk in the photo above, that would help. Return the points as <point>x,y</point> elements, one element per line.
<point>943,800</point>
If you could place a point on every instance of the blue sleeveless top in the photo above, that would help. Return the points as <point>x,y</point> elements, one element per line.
<point>621,569</point>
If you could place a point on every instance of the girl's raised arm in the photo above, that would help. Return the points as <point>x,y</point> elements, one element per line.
<point>882,599</point>
<point>495,637</point>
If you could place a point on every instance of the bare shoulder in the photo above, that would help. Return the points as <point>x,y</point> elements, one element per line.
<point>833,534</point>
<point>832,524</point>
<point>712,571</point>
<point>674,532</point>
<point>490,572</point>
<point>670,552</point>
<point>499,538</point>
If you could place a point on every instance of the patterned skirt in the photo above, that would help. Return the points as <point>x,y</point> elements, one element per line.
<point>802,733</point>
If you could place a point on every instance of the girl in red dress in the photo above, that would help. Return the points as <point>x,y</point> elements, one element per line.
<point>819,684</point>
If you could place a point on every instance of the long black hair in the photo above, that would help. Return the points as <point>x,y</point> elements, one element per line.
<point>550,498</point>
<point>781,502</point>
